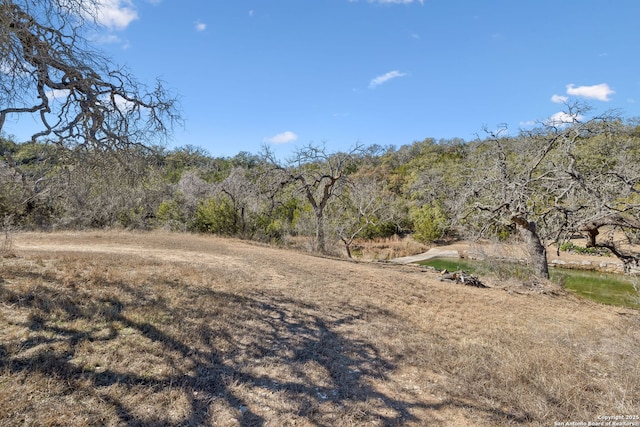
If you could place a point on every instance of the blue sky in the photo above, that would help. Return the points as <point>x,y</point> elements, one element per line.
<point>290,72</point>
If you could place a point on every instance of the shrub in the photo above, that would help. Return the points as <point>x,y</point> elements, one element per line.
<point>571,247</point>
<point>216,216</point>
<point>430,223</point>
<point>379,230</point>
<point>170,214</point>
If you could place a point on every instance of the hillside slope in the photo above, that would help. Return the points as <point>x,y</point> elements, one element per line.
<point>116,328</point>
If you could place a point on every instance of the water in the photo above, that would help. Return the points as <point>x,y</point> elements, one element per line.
<point>604,288</point>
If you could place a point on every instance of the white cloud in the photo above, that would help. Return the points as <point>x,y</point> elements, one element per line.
<point>122,104</point>
<point>8,68</point>
<point>200,26</point>
<point>562,119</point>
<point>108,39</point>
<point>57,94</point>
<point>600,92</point>
<point>559,99</point>
<point>112,39</point>
<point>114,14</point>
<point>282,138</point>
<point>251,12</point>
<point>385,78</point>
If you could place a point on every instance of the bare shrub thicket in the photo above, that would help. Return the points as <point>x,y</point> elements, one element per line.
<point>98,189</point>
<point>6,236</point>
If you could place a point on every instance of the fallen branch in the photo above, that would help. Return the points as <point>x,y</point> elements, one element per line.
<point>462,278</point>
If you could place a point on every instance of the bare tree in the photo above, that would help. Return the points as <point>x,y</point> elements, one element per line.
<point>319,175</point>
<point>560,179</point>
<point>601,192</point>
<point>506,174</point>
<point>48,70</point>
<point>365,203</point>
<point>241,191</point>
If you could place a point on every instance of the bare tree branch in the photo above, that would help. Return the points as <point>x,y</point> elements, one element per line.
<point>49,71</point>
<point>320,176</point>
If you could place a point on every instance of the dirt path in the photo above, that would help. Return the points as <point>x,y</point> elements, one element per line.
<point>431,253</point>
<point>482,250</point>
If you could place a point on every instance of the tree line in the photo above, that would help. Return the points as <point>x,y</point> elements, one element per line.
<point>546,185</point>
<point>93,163</point>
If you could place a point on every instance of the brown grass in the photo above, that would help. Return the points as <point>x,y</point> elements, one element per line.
<point>384,249</point>
<point>116,328</point>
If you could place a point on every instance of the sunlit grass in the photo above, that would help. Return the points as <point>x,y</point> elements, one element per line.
<point>605,288</point>
<point>453,264</point>
<point>109,328</point>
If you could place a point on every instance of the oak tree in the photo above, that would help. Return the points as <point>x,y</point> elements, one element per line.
<point>50,71</point>
<point>319,175</point>
<point>578,176</point>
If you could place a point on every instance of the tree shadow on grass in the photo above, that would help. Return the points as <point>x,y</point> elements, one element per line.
<point>247,359</point>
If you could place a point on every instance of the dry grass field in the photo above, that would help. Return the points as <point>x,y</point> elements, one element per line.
<point>117,328</point>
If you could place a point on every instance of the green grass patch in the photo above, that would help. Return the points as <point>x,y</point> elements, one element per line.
<point>577,249</point>
<point>605,288</point>
<point>453,264</point>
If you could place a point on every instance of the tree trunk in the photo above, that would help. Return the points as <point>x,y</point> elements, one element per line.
<point>320,232</point>
<point>347,246</point>
<point>537,251</point>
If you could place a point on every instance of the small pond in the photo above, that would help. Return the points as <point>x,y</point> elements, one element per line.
<point>604,288</point>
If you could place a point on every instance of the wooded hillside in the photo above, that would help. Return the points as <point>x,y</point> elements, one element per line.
<point>544,185</point>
